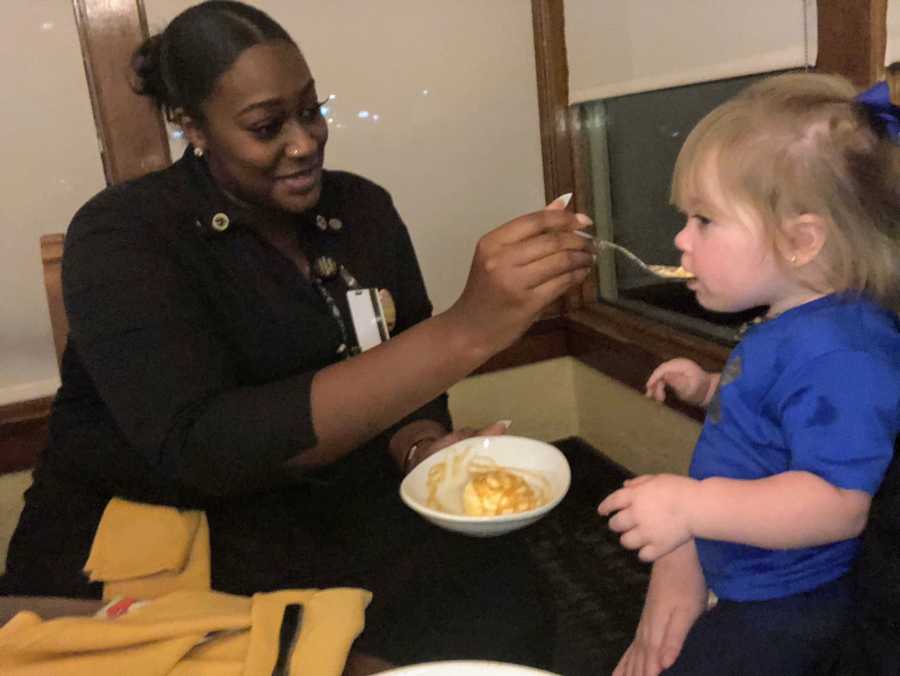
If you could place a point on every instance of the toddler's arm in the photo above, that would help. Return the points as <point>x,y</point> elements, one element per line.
<point>686,379</point>
<point>784,511</point>
<point>675,599</point>
<point>657,513</point>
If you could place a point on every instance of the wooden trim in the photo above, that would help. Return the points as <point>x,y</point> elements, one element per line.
<point>852,39</point>
<point>21,411</point>
<point>627,347</point>
<point>130,129</point>
<point>51,257</point>
<point>23,433</point>
<point>552,69</point>
<point>553,95</point>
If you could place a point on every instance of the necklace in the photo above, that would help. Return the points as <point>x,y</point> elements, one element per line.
<point>756,321</point>
<point>323,269</point>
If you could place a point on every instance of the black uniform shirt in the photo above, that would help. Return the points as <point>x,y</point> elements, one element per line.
<point>193,341</point>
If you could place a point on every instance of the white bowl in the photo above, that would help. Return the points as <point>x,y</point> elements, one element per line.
<point>542,465</point>
<point>466,668</point>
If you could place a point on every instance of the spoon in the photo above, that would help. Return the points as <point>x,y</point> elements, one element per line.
<point>663,271</point>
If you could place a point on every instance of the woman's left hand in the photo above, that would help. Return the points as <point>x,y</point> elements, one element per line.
<point>652,512</point>
<point>428,448</point>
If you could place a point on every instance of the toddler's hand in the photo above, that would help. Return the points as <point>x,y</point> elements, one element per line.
<point>688,381</point>
<point>652,513</point>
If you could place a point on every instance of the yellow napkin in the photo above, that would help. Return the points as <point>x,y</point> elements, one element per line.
<point>190,633</point>
<point>144,551</point>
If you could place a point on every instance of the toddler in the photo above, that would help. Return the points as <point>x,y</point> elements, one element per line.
<point>791,192</point>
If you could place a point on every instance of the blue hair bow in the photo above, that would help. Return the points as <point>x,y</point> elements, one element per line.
<point>885,115</point>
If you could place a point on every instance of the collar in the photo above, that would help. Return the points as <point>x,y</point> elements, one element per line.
<point>214,214</point>
<point>217,215</point>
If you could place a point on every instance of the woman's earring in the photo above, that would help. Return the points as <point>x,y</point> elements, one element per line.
<point>198,152</point>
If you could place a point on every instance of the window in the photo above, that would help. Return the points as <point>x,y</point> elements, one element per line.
<point>632,143</point>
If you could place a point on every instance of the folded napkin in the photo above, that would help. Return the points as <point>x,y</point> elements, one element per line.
<point>194,633</point>
<point>145,551</point>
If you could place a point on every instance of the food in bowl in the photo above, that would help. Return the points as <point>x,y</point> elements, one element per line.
<point>436,486</point>
<point>489,489</point>
<point>499,491</point>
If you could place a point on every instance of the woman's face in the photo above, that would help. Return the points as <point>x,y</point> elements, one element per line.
<point>262,133</point>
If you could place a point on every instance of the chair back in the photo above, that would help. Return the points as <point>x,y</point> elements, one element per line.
<point>51,257</point>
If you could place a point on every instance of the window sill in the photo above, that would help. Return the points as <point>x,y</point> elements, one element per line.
<point>627,347</point>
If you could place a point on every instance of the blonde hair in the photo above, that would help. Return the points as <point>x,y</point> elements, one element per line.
<point>799,144</point>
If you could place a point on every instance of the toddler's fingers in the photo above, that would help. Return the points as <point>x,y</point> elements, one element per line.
<point>648,553</point>
<point>614,502</point>
<point>622,667</point>
<point>621,521</point>
<point>676,632</point>
<point>633,539</point>
<point>638,480</point>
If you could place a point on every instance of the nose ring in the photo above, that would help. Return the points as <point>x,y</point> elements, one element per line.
<point>293,151</point>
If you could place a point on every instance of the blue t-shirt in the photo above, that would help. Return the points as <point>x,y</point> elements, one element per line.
<point>816,389</point>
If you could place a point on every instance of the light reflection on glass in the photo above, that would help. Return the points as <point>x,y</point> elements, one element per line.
<point>331,97</point>
<point>363,114</point>
<point>47,26</point>
<point>424,92</point>
<point>324,110</point>
<point>376,117</point>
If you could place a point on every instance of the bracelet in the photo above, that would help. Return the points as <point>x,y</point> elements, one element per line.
<point>413,449</point>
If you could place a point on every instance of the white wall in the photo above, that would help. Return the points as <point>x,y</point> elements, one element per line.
<point>563,397</point>
<point>617,48</point>
<point>459,159</point>
<point>51,166</point>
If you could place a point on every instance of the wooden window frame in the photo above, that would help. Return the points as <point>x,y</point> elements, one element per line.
<point>620,343</point>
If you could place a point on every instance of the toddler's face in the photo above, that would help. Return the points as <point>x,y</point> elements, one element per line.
<point>727,248</point>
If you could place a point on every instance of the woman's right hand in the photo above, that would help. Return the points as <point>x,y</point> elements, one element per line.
<point>687,380</point>
<point>676,597</point>
<point>518,270</point>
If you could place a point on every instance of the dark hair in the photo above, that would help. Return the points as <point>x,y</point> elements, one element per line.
<point>178,67</point>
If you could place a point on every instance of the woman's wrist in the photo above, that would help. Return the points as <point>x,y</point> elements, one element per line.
<point>408,442</point>
<point>463,338</point>
<point>413,454</point>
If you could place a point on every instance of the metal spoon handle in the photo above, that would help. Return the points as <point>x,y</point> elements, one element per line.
<point>670,272</point>
<point>600,244</point>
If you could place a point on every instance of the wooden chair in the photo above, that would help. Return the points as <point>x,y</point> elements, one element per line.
<point>51,257</point>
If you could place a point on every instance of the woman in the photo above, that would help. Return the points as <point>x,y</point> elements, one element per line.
<point>211,362</point>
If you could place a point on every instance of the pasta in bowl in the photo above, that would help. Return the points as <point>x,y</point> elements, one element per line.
<point>487,486</point>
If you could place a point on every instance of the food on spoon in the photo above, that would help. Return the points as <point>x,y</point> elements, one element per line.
<point>498,491</point>
<point>671,271</point>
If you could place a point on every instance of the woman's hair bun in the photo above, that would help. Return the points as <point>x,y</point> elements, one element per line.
<point>146,66</point>
<point>178,68</point>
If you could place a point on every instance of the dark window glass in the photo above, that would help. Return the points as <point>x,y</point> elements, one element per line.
<point>632,143</point>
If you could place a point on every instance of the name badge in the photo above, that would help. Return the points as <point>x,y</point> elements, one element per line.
<point>368,317</point>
